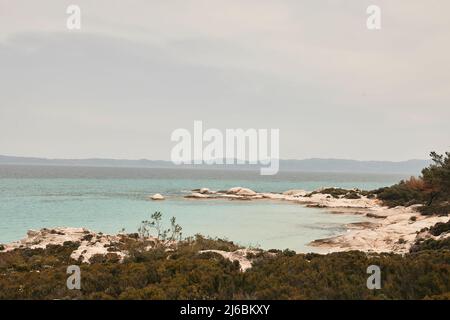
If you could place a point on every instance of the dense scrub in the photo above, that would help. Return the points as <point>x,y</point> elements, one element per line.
<point>400,194</point>
<point>430,244</point>
<point>186,274</point>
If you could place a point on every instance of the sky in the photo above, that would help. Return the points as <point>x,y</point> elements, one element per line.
<point>138,70</point>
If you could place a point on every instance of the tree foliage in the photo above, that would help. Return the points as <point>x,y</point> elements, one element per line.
<point>431,189</point>
<point>437,178</point>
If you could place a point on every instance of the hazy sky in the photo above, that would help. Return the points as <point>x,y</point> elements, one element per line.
<point>137,70</point>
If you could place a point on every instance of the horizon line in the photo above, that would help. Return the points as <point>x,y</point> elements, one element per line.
<point>235,159</point>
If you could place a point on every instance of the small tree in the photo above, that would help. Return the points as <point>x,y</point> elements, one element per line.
<point>171,234</point>
<point>437,178</point>
<point>175,230</point>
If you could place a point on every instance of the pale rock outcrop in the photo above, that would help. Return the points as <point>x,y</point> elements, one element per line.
<point>89,243</point>
<point>205,191</point>
<point>236,193</point>
<point>397,232</point>
<point>315,200</point>
<point>56,236</point>
<point>241,191</point>
<point>296,193</point>
<point>327,201</point>
<point>233,190</point>
<point>157,196</point>
<point>246,192</point>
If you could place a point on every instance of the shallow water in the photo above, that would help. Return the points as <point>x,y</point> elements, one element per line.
<point>109,199</point>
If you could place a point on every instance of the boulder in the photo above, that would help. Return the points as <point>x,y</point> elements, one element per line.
<point>246,192</point>
<point>241,191</point>
<point>204,191</point>
<point>233,190</point>
<point>157,196</point>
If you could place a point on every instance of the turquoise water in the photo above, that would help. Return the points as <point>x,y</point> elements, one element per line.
<point>37,197</point>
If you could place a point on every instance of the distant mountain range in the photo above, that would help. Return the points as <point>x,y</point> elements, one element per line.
<point>412,167</point>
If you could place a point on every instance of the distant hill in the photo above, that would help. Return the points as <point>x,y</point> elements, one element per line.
<point>341,165</point>
<point>412,167</point>
<point>94,162</point>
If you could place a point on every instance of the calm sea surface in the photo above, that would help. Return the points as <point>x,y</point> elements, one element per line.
<point>109,199</point>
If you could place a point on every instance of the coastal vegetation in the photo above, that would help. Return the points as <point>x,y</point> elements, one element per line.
<point>182,272</point>
<point>431,189</point>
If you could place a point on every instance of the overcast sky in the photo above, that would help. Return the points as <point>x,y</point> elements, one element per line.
<point>137,70</point>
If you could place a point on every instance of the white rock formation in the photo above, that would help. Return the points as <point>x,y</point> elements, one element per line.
<point>89,243</point>
<point>157,196</point>
<point>383,235</point>
<point>296,193</point>
<point>204,191</point>
<point>241,191</point>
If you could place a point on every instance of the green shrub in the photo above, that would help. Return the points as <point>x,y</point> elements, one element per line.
<point>399,195</point>
<point>431,244</point>
<point>438,209</point>
<point>439,228</point>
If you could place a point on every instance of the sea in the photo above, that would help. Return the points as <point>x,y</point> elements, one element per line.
<point>107,200</point>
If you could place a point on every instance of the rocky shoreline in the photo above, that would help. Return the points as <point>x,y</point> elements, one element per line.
<point>393,230</point>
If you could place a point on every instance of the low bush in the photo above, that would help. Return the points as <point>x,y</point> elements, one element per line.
<point>440,228</point>
<point>439,209</point>
<point>399,195</point>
